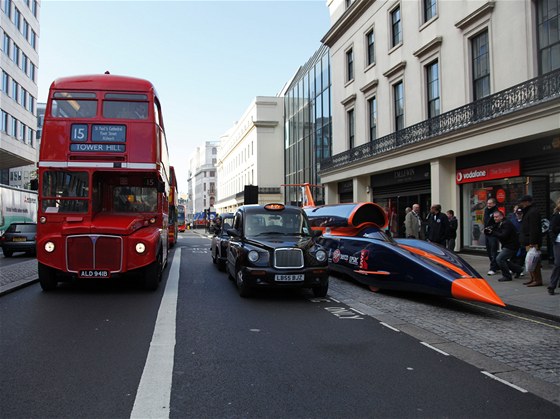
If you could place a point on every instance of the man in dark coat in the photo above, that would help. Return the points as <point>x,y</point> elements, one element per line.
<point>452,230</point>
<point>530,235</point>
<point>505,232</point>
<point>492,243</point>
<point>438,225</point>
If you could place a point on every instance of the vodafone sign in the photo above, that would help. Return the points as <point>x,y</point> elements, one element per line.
<point>492,171</point>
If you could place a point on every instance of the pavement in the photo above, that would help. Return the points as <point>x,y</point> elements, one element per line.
<point>516,296</point>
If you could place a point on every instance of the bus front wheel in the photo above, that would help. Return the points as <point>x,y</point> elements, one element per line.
<point>152,274</point>
<point>47,277</point>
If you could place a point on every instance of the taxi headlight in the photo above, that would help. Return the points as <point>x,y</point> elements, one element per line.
<point>253,256</point>
<point>140,247</point>
<point>321,255</point>
<point>49,247</point>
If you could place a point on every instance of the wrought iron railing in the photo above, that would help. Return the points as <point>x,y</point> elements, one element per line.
<point>524,95</point>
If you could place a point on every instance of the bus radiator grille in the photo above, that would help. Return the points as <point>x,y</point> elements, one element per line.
<point>94,252</point>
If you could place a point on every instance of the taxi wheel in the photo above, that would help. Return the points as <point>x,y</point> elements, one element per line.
<point>321,291</point>
<point>47,277</point>
<point>242,288</point>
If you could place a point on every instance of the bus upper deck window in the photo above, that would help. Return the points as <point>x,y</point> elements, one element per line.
<point>125,110</point>
<point>74,105</point>
<point>125,106</point>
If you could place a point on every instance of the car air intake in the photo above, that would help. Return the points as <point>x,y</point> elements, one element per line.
<point>288,258</point>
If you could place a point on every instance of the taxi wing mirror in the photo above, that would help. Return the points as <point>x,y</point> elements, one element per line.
<point>232,232</point>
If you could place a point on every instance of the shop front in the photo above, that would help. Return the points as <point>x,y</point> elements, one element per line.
<point>398,189</point>
<point>535,171</point>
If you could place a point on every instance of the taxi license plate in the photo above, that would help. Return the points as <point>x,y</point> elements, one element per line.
<point>92,273</point>
<point>289,278</point>
<point>18,239</point>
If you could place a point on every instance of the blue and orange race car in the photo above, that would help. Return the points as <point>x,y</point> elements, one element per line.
<point>353,236</point>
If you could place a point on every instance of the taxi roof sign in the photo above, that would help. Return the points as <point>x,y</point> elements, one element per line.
<point>274,207</point>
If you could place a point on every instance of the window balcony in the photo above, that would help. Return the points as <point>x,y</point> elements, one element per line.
<point>529,94</point>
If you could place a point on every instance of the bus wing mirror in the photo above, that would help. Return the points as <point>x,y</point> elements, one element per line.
<point>160,186</point>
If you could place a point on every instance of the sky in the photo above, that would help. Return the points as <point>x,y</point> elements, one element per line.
<point>207,59</point>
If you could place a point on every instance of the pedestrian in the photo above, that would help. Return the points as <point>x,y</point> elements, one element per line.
<point>505,232</point>
<point>438,225</point>
<point>516,217</point>
<point>402,232</point>
<point>452,230</point>
<point>413,223</point>
<point>555,236</point>
<point>531,237</point>
<point>492,243</point>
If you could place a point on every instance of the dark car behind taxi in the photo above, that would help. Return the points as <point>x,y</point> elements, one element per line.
<point>273,246</point>
<point>220,240</point>
<point>19,237</point>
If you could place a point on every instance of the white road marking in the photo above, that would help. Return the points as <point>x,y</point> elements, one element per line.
<point>507,383</point>
<point>434,348</point>
<point>154,391</point>
<point>390,327</point>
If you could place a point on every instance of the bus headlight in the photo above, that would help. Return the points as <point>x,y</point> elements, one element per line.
<point>253,256</point>
<point>140,247</point>
<point>321,255</point>
<point>49,247</point>
<point>43,220</point>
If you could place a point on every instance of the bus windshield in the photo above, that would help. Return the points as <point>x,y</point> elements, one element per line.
<point>65,191</point>
<point>135,199</point>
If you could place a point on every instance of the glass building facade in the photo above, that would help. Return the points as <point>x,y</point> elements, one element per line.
<point>308,122</point>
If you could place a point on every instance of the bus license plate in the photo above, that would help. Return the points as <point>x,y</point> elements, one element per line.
<point>93,274</point>
<point>289,278</point>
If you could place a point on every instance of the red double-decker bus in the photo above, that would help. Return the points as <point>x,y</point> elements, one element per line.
<point>173,203</point>
<point>103,181</point>
<point>181,217</point>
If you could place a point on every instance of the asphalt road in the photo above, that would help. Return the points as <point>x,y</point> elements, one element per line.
<point>82,351</point>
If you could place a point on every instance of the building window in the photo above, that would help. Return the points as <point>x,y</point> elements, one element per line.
<point>432,78</point>
<point>396,26</point>
<point>430,9</point>
<point>17,18</point>
<point>15,54</point>
<point>3,121</point>
<point>372,116</point>
<point>5,81</point>
<point>14,90</point>
<point>349,65</point>
<point>7,7</point>
<point>6,44</point>
<point>548,35</point>
<point>481,65</point>
<point>398,92</point>
<point>348,3</point>
<point>370,38</point>
<point>351,124</point>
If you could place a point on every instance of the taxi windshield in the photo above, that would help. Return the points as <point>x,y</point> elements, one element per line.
<point>270,223</point>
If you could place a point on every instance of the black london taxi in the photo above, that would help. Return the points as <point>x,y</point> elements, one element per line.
<point>220,240</point>
<point>273,246</point>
